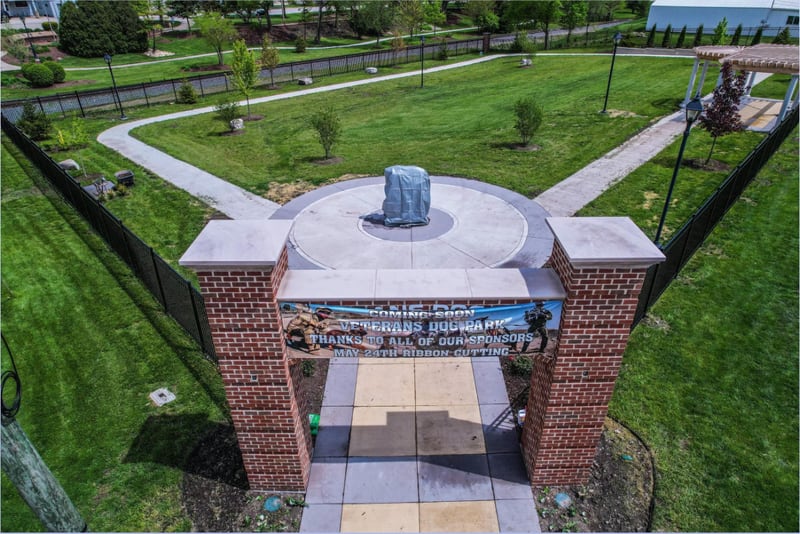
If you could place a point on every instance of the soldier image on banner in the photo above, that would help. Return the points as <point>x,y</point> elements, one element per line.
<point>305,325</point>
<point>537,318</point>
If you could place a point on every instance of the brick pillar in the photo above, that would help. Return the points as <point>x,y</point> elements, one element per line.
<point>601,262</point>
<point>240,265</point>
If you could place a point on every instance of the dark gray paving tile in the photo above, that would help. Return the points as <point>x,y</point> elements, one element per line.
<point>340,386</point>
<point>326,481</point>
<point>333,438</point>
<point>499,431</point>
<point>461,477</point>
<point>381,479</point>
<point>509,478</point>
<point>489,381</point>
<point>321,518</point>
<point>517,515</point>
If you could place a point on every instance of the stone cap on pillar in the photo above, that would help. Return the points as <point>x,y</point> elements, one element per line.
<point>604,242</point>
<point>238,244</point>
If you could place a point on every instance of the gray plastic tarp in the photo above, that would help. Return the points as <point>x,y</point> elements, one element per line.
<point>408,196</point>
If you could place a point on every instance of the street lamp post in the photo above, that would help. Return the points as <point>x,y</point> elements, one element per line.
<point>422,60</point>
<point>693,111</point>
<point>107,57</point>
<point>617,39</point>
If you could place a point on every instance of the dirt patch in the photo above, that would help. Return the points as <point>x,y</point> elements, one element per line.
<point>284,192</point>
<point>519,147</point>
<point>328,161</point>
<point>712,165</point>
<point>649,197</point>
<point>621,113</point>
<point>619,492</point>
<point>214,491</point>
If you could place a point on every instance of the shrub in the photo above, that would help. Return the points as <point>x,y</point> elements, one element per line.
<point>59,74</point>
<point>187,93</point>
<point>651,37</point>
<point>681,37</point>
<point>443,53</point>
<point>75,137</point>
<point>50,26</point>
<point>757,36</point>
<point>300,45</point>
<point>227,111</point>
<point>34,122</point>
<point>737,34</point>
<point>521,365</point>
<point>91,29</point>
<point>38,75</point>
<point>783,36</point>
<point>522,44</point>
<point>529,117</point>
<point>666,40</point>
<point>698,37</point>
<point>308,367</point>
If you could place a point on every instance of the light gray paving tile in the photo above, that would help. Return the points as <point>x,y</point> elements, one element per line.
<point>340,386</point>
<point>509,478</point>
<point>459,477</point>
<point>333,438</point>
<point>321,518</point>
<point>489,381</point>
<point>517,515</point>
<point>326,481</point>
<point>499,430</point>
<point>381,479</point>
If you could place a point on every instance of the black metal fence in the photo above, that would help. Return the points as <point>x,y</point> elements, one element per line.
<point>167,90</point>
<point>694,232</point>
<point>176,294</point>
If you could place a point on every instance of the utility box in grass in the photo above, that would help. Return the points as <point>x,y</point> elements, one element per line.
<point>407,196</point>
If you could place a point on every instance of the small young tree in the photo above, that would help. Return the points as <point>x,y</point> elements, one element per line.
<point>270,57</point>
<point>398,45</point>
<point>217,31</point>
<point>698,36</point>
<point>651,37</point>
<point>574,14</point>
<point>434,14</point>
<point>720,36</point>
<point>187,94</point>
<point>721,117</point>
<point>529,117</point>
<point>300,45</point>
<point>681,37</point>
<point>34,122</point>
<point>737,34</point>
<point>757,36</point>
<point>783,36</point>
<point>328,126</point>
<point>666,41</point>
<point>244,71</point>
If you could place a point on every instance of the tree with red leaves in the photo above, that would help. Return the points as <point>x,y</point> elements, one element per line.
<point>721,117</point>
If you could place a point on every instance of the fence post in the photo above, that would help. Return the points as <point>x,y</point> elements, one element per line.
<point>144,90</point>
<point>80,105</point>
<point>174,92</point>
<point>226,83</point>
<point>41,106</point>
<point>63,114</point>
<point>202,92</point>
<point>158,279</point>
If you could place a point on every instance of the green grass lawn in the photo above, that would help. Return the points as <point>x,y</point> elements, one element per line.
<point>709,380</point>
<point>90,344</point>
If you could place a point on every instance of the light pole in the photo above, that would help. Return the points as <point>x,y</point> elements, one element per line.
<point>422,60</point>
<point>693,111</point>
<point>30,42</point>
<point>617,39</point>
<point>107,57</point>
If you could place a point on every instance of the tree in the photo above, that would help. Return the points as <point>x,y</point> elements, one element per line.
<point>217,31</point>
<point>681,37</point>
<point>186,93</point>
<point>410,15</point>
<point>547,13</point>
<point>666,41</point>
<point>34,122</point>
<point>783,37</point>
<point>398,44</point>
<point>328,126</point>
<point>482,14</point>
<point>757,36</point>
<point>184,9</point>
<point>94,28</point>
<point>575,13</point>
<point>373,18</point>
<point>737,34</point>
<point>244,71</point>
<point>433,14</point>
<point>529,117</point>
<point>320,5</point>
<point>720,36</point>
<point>270,57</point>
<point>698,37</point>
<point>721,117</point>
<point>641,8</point>
<point>651,37</point>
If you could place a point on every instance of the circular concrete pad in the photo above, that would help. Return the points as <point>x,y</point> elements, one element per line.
<point>473,225</point>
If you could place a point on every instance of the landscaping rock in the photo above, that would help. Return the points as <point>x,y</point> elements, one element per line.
<point>237,124</point>
<point>305,81</point>
<point>525,62</point>
<point>70,165</point>
<point>371,70</point>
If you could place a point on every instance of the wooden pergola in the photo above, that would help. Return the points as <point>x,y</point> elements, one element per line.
<point>767,58</point>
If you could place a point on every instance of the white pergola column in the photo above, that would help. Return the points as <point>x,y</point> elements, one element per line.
<point>691,83</point>
<point>751,79</point>
<point>787,98</point>
<point>702,79</point>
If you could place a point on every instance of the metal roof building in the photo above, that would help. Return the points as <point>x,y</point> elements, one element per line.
<point>771,15</point>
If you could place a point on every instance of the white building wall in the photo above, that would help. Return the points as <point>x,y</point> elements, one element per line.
<point>662,14</point>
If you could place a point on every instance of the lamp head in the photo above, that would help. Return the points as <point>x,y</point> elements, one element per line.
<point>617,37</point>
<point>422,39</point>
<point>107,57</point>
<point>693,110</point>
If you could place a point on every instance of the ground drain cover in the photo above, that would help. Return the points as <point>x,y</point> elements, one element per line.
<point>162,396</point>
